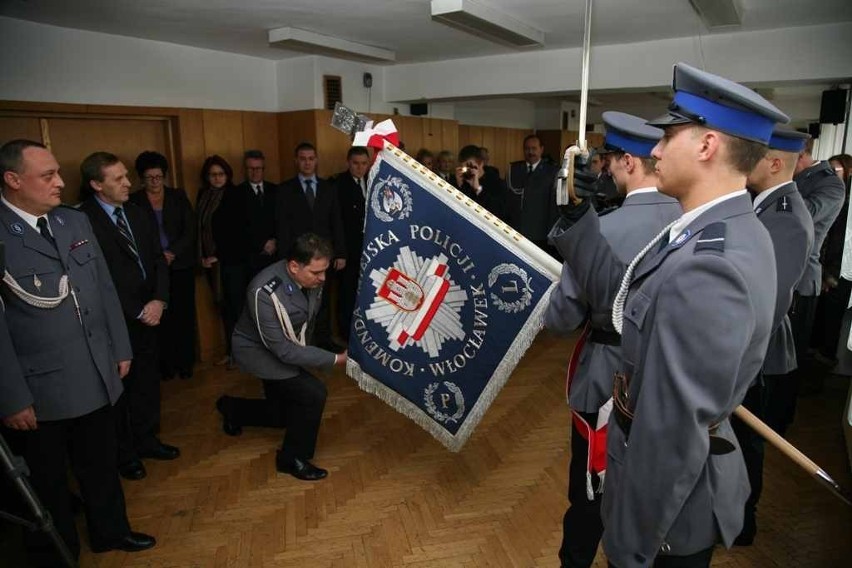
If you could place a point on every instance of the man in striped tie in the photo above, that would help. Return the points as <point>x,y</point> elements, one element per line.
<point>131,246</point>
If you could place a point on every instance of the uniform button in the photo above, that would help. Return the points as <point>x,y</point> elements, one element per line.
<point>90,334</point>
<point>633,312</point>
<point>86,311</point>
<point>77,289</point>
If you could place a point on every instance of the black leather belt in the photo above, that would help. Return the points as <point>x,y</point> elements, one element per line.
<point>605,337</point>
<point>624,418</point>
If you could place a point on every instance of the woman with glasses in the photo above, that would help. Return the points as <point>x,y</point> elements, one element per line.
<point>223,242</point>
<point>175,220</point>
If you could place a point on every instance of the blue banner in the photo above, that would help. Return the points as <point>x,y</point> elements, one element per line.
<point>449,300</point>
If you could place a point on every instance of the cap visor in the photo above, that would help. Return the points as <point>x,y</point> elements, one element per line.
<point>668,119</point>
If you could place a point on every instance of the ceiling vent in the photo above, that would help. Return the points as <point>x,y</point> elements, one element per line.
<point>319,44</point>
<point>719,13</point>
<point>484,21</point>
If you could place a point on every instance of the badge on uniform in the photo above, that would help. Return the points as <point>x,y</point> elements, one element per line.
<point>78,244</point>
<point>17,228</point>
<point>60,220</point>
<point>784,205</point>
<point>37,282</point>
<point>682,238</point>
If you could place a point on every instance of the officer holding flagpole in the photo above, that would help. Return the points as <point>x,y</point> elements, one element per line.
<point>627,151</point>
<point>695,310</point>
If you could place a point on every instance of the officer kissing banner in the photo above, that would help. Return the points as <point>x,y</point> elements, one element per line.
<point>449,300</point>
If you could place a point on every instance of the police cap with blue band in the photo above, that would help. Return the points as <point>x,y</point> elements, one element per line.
<point>629,134</point>
<point>786,140</point>
<point>720,104</point>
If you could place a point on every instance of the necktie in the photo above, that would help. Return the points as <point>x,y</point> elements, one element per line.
<point>309,192</point>
<point>124,230</point>
<point>529,169</point>
<point>362,186</point>
<point>41,223</point>
<point>258,190</point>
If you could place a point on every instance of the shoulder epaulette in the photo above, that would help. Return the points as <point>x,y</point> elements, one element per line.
<point>784,204</point>
<point>712,238</point>
<point>273,283</point>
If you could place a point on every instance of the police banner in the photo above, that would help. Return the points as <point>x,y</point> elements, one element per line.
<point>449,299</point>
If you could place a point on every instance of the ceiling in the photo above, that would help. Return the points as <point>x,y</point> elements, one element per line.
<point>404,26</point>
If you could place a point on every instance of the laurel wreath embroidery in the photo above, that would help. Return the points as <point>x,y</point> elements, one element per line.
<point>433,410</point>
<point>376,196</point>
<point>521,303</point>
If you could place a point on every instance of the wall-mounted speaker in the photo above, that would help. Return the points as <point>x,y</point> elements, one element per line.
<point>832,110</point>
<point>419,109</point>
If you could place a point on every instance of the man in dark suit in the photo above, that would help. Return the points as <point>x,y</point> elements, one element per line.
<point>352,194</point>
<point>64,356</point>
<point>532,194</point>
<point>259,196</point>
<point>308,204</point>
<point>444,167</point>
<point>131,245</point>
<point>480,184</point>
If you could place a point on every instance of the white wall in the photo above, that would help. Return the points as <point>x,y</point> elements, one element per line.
<point>508,113</point>
<point>53,64</point>
<point>297,89</point>
<point>808,53</point>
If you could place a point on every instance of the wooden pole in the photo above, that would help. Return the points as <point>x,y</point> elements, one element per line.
<point>791,452</point>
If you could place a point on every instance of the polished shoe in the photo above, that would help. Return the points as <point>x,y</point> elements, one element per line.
<point>133,542</point>
<point>161,451</point>
<point>228,427</point>
<point>133,470</point>
<point>301,469</point>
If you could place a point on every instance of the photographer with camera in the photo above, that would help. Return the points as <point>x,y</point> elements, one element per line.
<point>480,184</point>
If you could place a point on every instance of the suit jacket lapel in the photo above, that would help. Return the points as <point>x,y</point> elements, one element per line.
<point>60,234</point>
<point>31,238</point>
<point>102,218</point>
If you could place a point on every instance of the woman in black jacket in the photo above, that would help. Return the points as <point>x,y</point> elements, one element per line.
<point>223,241</point>
<point>171,211</point>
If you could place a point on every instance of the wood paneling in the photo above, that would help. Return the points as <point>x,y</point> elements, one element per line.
<point>332,145</point>
<point>190,150</point>
<point>260,132</point>
<point>504,145</point>
<point>73,139</point>
<point>223,135</point>
<point>294,128</point>
<point>14,127</point>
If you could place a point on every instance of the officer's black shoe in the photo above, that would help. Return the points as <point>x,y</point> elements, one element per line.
<point>301,469</point>
<point>132,470</point>
<point>160,451</point>
<point>133,542</point>
<point>228,427</point>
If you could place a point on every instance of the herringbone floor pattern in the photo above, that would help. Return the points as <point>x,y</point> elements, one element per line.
<point>395,497</point>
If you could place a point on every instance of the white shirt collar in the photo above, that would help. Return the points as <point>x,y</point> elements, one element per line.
<point>764,195</point>
<point>30,219</point>
<point>691,216</point>
<point>534,166</point>
<point>640,190</point>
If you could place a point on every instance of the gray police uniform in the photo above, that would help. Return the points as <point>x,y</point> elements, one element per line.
<point>69,362</point>
<point>823,193</point>
<point>68,358</point>
<point>644,213</point>
<point>784,215</point>
<point>696,324</point>
<point>272,341</point>
<point>627,230</point>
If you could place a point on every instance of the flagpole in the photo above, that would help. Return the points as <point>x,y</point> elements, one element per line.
<point>565,178</point>
<point>791,452</point>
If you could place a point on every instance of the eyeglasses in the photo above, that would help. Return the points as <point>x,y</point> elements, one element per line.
<point>154,178</point>
<point>217,174</point>
<point>255,169</point>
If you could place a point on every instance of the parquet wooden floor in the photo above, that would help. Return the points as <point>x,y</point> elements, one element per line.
<point>395,497</point>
